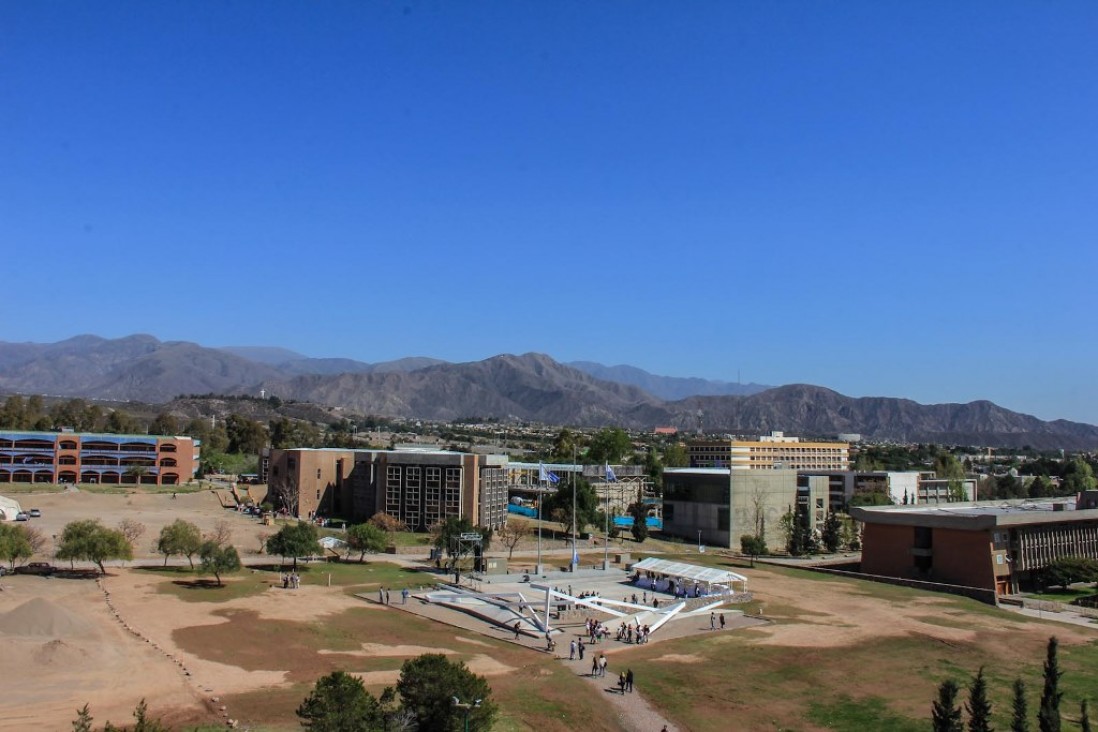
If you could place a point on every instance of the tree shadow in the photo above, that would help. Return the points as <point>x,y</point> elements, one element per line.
<point>198,584</point>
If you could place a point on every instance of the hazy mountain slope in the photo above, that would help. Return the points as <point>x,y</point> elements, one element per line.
<point>330,366</point>
<point>529,387</point>
<point>813,410</point>
<point>665,387</point>
<point>270,355</point>
<point>137,367</point>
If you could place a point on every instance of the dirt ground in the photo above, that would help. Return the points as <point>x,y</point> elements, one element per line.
<point>111,643</point>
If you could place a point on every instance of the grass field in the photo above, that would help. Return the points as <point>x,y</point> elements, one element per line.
<point>885,682</point>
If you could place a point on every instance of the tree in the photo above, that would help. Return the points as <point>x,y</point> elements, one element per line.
<point>83,721</point>
<point>676,456</point>
<point>164,424</point>
<point>447,531</point>
<point>245,435</point>
<point>565,445</point>
<point>340,703</point>
<point>946,715</point>
<point>179,537</point>
<point>285,491</point>
<point>639,512</point>
<point>832,532</point>
<point>512,534</point>
<point>90,541</point>
<point>120,423</point>
<point>366,538</point>
<point>137,472</point>
<point>132,530</point>
<point>609,445</point>
<point>14,544</point>
<point>429,684</point>
<point>752,545</point>
<point>1048,715</point>
<point>1069,570</point>
<point>1078,476</point>
<point>978,706</point>
<point>222,533</point>
<point>295,540</point>
<point>947,466</point>
<point>559,505</point>
<point>218,559</point>
<point>1019,717</point>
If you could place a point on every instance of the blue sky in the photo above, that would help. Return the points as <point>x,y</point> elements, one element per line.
<point>885,199</point>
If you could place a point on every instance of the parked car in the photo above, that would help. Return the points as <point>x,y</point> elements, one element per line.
<point>22,516</point>
<point>35,513</point>
<point>40,568</point>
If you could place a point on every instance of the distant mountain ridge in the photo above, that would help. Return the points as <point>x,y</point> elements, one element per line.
<point>665,387</point>
<point>531,387</point>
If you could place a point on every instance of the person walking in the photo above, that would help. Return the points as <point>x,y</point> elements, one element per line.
<point>594,665</point>
<point>380,595</point>
<point>572,650</point>
<point>722,621</point>
<point>629,681</point>
<point>518,625</point>
<point>602,664</point>
<point>581,648</point>
<point>712,621</point>
<point>404,596</point>
<point>621,682</point>
<point>386,596</point>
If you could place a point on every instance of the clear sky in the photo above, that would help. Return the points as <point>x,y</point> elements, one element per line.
<point>887,199</point>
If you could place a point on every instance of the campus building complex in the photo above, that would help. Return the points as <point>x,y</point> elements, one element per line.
<point>419,487</point>
<point>716,506</point>
<point>73,457</point>
<point>769,452</point>
<point>997,546</point>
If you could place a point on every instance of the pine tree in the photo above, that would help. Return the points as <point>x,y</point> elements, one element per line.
<point>1048,716</point>
<point>1019,721</point>
<point>1084,717</point>
<point>978,707</point>
<point>946,714</point>
<point>83,721</point>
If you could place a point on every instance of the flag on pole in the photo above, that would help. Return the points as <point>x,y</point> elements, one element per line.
<point>610,477</point>
<point>575,554</point>
<point>546,475</point>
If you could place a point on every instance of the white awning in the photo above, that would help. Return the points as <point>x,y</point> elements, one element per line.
<point>692,572</point>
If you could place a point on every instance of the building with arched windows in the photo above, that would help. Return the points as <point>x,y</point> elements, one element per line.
<point>76,457</point>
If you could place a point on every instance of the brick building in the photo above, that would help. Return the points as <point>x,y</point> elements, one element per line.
<point>77,457</point>
<point>419,487</point>
<point>999,546</point>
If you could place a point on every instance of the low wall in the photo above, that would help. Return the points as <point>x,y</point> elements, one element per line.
<point>975,593</point>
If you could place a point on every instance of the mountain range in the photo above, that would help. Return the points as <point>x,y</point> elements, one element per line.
<point>530,387</point>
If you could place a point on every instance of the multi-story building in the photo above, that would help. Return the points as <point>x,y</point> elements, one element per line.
<point>76,457</point>
<point>717,506</point>
<point>769,452</point>
<point>419,487</point>
<point>1000,546</point>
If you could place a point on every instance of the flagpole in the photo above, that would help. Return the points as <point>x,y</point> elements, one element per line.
<point>575,555</point>
<point>606,514</point>
<point>541,497</point>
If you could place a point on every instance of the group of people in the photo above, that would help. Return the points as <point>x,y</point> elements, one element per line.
<point>627,632</point>
<point>291,581</point>
<point>713,619</point>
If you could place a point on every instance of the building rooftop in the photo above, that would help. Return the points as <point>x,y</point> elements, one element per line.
<point>977,515</point>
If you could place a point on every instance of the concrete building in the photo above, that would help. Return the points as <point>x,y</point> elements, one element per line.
<point>716,506</point>
<point>769,452</point>
<point>76,457</point>
<point>420,487</point>
<point>998,546</point>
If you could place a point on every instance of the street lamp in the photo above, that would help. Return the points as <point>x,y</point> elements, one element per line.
<point>458,704</point>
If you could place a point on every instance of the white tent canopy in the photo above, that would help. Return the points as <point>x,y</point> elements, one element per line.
<point>708,576</point>
<point>8,509</point>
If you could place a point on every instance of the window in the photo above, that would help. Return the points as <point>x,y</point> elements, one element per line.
<point>318,473</point>
<point>998,558</point>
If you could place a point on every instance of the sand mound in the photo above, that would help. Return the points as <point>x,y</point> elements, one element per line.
<point>40,617</point>
<point>58,652</point>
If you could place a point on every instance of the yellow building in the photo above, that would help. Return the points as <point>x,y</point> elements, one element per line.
<point>769,452</point>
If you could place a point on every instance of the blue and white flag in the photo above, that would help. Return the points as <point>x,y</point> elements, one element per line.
<point>610,477</point>
<point>546,475</point>
<point>575,554</point>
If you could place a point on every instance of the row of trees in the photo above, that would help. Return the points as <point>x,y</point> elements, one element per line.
<point>432,693</point>
<point>947,715</point>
